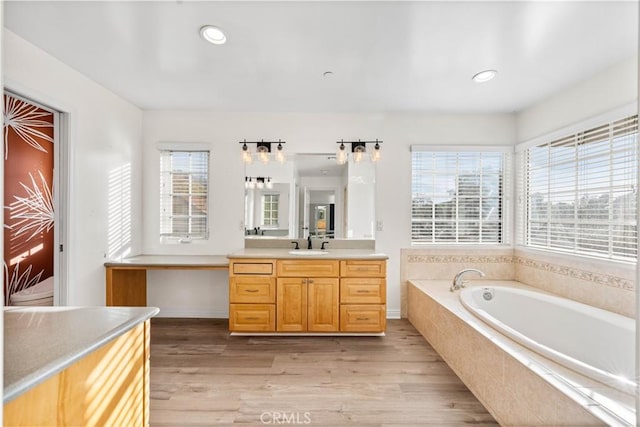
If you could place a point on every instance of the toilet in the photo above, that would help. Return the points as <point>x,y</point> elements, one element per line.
<point>39,294</point>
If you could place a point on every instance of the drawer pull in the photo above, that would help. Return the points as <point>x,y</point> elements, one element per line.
<point>251,290</point>
<point>251,318</point>
<point>362,318</point>
<point>362,291</point>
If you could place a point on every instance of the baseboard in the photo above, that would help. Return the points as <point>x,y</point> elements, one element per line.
<point>223,314</point>
<point>393,314</point>
<point>204,314</point>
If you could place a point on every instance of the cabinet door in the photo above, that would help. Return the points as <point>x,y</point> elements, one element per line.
<point>364,290</point>
<point>323,305</point>
<point>252,289</point>
<point>362,318</point>
<point>363,268</point>
<point>291,302</point>
<point>307,268</point>
<point>252,318</point>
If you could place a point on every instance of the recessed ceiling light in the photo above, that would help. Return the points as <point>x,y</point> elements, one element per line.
<point>213,34</point>
<point>484,76</point>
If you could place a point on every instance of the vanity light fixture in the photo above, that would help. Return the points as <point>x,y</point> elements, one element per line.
<point>484,76</point>
<point>213,34</point>
<point>258,182</point>
<point>263,151</point>
<point>358,149</point>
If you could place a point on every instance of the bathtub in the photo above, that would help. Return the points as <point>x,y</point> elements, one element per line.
<point>589,340</point>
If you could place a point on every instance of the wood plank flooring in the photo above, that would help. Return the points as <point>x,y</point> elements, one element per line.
<point>202,376</point>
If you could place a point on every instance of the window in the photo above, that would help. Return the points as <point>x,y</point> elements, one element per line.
<point>184,189</point>
<point>270,204</point>
<point>581,192</point>
<point>457,197</point>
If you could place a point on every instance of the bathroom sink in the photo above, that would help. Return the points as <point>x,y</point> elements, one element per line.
<point>303,252</point>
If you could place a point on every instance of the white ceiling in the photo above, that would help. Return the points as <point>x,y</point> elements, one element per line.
<point>390,56</point>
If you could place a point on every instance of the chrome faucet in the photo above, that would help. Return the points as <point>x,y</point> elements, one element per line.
<point>457,280</point>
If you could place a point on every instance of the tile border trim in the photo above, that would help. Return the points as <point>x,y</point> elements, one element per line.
<point>484,259</point>
<point>575,273</point>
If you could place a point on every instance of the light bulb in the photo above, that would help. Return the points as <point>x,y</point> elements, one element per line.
<point>358,153</point>
<point>341,154</point>
<point>260,184</point>
<point>280,153</point>
<point>246,155</point>
<point>269,184</point>
<point>263,154</point>
<point>375,154</point>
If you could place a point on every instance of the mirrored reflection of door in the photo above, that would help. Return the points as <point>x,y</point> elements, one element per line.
<point>321,213</point>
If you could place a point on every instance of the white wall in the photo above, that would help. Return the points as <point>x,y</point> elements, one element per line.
<point>612,88</point>
<point>104,150</point>
<point>205,293</point>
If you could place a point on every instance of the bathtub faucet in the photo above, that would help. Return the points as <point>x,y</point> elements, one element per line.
<point>458,282</point>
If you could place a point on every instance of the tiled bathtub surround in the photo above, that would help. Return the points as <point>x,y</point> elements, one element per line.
<point>444,263</point>
<point>599,283</point>
<point>516,385</point>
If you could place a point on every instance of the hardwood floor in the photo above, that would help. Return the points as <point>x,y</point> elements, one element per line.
<point>201,376</point>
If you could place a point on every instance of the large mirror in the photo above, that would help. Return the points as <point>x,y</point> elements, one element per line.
<point>310,195</point>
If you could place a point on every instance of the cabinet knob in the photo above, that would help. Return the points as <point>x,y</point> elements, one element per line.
<point>310,280</point>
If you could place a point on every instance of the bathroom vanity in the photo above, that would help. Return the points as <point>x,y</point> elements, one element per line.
<point>280,291</point>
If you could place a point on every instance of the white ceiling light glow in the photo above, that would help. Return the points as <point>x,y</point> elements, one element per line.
<point>213,34</point>
<point>484,76</point>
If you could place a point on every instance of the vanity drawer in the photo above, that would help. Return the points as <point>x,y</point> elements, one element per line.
<point>308,268</point>
<point>252,289</point>
<point>264,267</point>
<point>363,268</point>
<point>363,318</point>
<point>252,317</point>
<point>364,290</point>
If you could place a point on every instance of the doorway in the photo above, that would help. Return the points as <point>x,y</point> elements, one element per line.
<point>31,203</point>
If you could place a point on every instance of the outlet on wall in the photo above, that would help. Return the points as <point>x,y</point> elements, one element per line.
<point>379,226</point>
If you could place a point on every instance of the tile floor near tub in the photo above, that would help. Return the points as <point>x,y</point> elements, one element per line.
<point>201,376</point>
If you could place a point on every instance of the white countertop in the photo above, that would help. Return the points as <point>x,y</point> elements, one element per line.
<point>39,342</point>
<point>306,254</point>
<point>151,261</point>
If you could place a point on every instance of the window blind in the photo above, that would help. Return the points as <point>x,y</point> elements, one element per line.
<point>457,197</point>
<point>184,189</point>
<point>581,192</point>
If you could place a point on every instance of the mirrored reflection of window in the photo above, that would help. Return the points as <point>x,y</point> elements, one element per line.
<point>184,189</point>
<point>270,207</point>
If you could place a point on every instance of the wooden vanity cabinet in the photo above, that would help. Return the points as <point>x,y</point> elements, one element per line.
<point>252,295</point>
<point>307,296</point>
<point>363,295</point>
